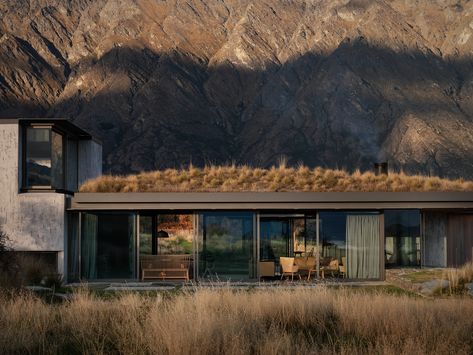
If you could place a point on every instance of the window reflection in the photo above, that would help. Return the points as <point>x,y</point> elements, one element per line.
<point>402,243</point>
<point>226,245</point>
<point>38,156</point>
<point>44,158</point>
<point>179,228</point>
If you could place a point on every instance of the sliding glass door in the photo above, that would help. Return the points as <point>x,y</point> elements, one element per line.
<point>275,238</point>
<point>402,238</point>
<point>226,245</point>
<point>351,239</point>
<point>287,236</point>
<point>108,246</point>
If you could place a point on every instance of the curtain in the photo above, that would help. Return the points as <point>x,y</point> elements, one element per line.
<point>131,244</point>
<point>89,246</point>
<point>73,248</point>
<point>363,246</point>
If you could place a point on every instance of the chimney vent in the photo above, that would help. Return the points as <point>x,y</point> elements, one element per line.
<point>381,168</point>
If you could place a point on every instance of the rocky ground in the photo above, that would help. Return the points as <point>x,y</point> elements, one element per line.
<point>331,83</point>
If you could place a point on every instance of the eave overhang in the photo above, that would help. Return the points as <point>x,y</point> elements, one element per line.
<point>271,200</point>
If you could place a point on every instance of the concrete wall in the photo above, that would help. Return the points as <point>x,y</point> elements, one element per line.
<point>90,160</point>
<point>32,221</point>
<point>36,221</point>
<point>435,239</point>
<point>71,165</point>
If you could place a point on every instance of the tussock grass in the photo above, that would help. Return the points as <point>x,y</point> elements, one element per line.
<point>213,321</point>
<point>281,178</point>
<point>459,277</point>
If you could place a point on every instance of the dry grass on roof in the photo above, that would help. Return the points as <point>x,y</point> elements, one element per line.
<point>281,178</point>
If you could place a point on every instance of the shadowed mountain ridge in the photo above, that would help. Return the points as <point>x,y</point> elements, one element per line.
<point>323,90</point>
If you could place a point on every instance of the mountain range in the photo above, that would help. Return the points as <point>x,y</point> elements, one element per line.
<point>165,83</point>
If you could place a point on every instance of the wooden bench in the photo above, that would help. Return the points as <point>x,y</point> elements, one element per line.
<point>165,267</point>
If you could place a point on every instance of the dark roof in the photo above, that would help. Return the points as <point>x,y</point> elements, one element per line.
<point>62,123</point>
<point>271,200</point>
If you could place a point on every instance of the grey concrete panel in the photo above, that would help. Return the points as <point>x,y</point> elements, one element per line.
<point>33,221</point>
<point>90,160</point>
<point>36,221</point>
<point>72,165</point>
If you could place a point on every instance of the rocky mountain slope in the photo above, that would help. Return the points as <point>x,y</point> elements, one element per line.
<point>330,83</point>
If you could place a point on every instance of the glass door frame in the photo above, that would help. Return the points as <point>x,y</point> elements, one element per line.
<point>198,230</point>
<point>305,215</point>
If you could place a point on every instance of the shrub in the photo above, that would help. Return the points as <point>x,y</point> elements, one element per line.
<point>34,271</point>
<point>54,281</point>
<point>458,278</point>
<point>7,262</point>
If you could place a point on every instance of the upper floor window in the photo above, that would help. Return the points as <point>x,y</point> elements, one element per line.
<point>43,159</point>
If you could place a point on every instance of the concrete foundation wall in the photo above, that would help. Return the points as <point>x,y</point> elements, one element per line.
<point>90,160</point>
<point>435,239</point>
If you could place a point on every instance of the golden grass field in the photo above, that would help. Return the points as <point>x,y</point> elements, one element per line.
<point>281,178</point>
<point>226,321</point>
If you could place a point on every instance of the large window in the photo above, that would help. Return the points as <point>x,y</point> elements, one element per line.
<point>44,159</point>
<point>226,245</point>
<point>108,246</point>
<point>177,239</point>
<point>274,238</point>
<point>352,238</point>
<point>287,236</point>
<point>402,231</point>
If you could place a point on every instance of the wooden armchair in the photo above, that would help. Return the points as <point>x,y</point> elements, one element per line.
<point>288,268</point>
<point>331,266</point>
<point>342,269</point>
<point>307,265</point>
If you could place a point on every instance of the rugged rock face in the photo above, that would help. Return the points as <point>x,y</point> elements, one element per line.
<point>331,83</point>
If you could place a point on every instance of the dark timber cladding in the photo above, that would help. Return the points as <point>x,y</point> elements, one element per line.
<point>270,200</point>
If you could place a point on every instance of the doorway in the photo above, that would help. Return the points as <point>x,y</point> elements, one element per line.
<point>287,236</point>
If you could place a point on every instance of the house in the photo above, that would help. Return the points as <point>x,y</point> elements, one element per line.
<point>224,235</point>
<point>42,163</point>
<point>229,234</point>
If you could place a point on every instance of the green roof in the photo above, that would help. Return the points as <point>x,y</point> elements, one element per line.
<point>243,178</point>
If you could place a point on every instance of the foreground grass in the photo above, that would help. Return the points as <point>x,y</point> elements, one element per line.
<point>210,321</point>
<point>282,178</point>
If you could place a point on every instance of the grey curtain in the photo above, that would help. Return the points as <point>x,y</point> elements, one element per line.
<point>73,248</point>
<point>89,246</point>
<point>363,246</point>
<point>131,244</point>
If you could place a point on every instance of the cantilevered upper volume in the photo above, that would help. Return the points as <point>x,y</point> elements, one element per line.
<point>43,161</point>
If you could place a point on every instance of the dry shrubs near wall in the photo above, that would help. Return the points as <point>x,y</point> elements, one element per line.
<point>458,278</point>
<point>211,321</point>
<point>18,269</point>
<point>281,178</point>
<point>7,266</point>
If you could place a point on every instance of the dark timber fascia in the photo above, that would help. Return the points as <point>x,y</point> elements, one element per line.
<point>271,200</point>
<point>59,122</point>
